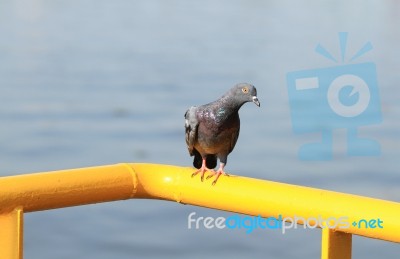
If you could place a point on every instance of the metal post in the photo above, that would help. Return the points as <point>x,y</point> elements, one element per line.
<point>335,245</point>
<point>11,234</point>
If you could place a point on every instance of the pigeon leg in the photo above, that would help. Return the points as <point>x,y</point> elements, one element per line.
<point>217,173</point>
<point>202,170</point>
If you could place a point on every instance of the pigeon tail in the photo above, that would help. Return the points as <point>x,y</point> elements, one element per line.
<point>211,160</point>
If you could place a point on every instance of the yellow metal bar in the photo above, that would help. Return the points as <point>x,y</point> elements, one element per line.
<point>11,234</point>
<point>41,191</point>
<point>266,198</point>
<point>335,244</point>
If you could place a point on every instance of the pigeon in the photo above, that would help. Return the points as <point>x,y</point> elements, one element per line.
<point>213,129</point>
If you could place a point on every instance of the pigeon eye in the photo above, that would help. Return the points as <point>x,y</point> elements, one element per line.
<point>245,90</point>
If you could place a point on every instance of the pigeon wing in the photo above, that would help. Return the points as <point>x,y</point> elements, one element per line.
<point>191,125</point>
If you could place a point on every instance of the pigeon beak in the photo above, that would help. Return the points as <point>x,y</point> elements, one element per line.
<point>256,101</point>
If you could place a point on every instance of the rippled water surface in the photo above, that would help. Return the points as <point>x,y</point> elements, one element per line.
<point>86,83</point>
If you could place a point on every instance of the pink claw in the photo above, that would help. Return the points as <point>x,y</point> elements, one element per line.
<point>217,173</point>
<point>202,170</point>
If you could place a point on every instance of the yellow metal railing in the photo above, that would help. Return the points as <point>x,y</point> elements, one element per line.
<point>43,191</point>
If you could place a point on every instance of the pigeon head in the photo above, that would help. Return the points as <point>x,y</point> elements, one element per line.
<point>243,93</point>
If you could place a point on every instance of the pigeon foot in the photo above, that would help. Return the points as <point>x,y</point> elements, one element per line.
<point>217,173</point>
<point>202,170</point>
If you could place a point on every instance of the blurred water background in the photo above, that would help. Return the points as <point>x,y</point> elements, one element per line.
<point>85,83</point>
